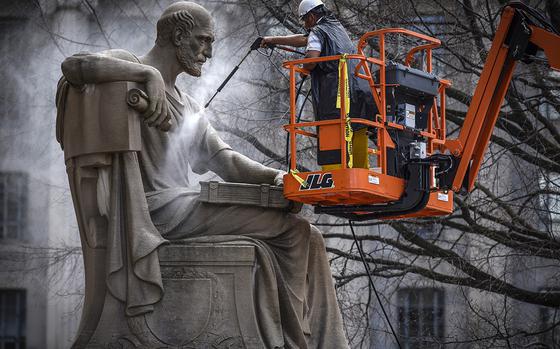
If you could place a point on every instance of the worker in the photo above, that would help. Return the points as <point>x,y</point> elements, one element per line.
<point>327,37</point>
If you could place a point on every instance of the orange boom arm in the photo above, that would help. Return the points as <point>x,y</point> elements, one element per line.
<point>514,39</point>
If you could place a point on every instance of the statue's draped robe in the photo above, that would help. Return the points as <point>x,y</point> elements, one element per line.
<point>294,294</point>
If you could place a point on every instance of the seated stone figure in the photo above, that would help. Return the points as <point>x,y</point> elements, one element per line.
<point>128,178</point>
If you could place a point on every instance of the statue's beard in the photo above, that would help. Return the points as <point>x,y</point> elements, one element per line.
<point>188,62</point>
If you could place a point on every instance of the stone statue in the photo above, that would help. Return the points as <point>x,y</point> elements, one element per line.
<point>128,177</point>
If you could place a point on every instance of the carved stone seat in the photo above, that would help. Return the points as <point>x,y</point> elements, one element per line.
<point>208,302</point>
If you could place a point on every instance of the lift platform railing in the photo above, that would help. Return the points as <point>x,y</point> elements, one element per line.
<point>367,186</point>
<point>435,132</point>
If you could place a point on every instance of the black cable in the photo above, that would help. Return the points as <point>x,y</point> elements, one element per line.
<point>372,285</point>
<point>297,121</point>
<point>534,14</point>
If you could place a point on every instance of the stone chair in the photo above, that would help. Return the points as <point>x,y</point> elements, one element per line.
<point>206,299</point>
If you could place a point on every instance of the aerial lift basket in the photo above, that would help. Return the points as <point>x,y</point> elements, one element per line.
<point>414,168</point>
<point>349,188</point>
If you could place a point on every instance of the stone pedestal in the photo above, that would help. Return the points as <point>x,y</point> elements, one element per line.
<point>208,303</point>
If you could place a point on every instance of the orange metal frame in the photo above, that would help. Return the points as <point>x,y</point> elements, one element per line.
<point>358,186</point>
<point>489,95</point>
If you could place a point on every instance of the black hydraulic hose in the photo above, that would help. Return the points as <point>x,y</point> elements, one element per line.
<point>287,49</point>
<point>535,14</point>
<point>368,271</point>
<point>303,105</point>
<point>415,197</point>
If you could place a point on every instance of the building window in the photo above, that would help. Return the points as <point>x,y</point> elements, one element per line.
<point>433,25</point>
<point>549,318</point>
<point>12,319</point>
<point>429,231</point>
<point>13,203</point>
<point>421,317</point>
<point>550,202</point>
<point>12,47</point>
<point>548,111</point>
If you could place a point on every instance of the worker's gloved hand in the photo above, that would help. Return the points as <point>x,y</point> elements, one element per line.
<point>266,42</point>
<point>257,43</point>
<point>304,74</point>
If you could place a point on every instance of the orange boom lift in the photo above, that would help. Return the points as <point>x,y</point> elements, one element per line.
<point>417,168</point>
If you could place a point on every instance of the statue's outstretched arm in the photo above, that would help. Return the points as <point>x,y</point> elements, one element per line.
<point>235,167</point>
<point>96,68</point>
<point>84,68</point>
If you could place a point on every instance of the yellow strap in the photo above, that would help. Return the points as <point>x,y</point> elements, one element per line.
<point>300,180</point>
<point>348,135</point>
<point>343,74</point>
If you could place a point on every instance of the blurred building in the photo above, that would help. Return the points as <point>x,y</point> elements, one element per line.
<point>40,258</point>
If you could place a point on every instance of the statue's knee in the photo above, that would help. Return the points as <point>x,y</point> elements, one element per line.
<point>300,228</point>
<point>316,238</point>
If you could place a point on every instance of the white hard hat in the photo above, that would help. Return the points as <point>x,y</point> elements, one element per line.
<point>307,5</point>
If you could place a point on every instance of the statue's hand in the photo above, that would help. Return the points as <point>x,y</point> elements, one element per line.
<point>157,113</point>
<point>279,179</point>
<point>294,207</point>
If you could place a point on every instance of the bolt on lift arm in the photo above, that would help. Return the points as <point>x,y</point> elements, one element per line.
<point>518,37</point>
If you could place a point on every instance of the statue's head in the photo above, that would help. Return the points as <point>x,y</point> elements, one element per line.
<point>190,29</point>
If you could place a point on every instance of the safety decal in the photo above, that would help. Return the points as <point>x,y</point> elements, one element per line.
<point>318,181</point>
<point>373,179</point>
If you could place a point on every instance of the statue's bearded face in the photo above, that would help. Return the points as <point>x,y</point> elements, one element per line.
<point>196,48</point>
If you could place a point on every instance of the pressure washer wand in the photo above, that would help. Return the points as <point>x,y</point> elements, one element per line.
<point>254,46</point>
<point>227,79</point>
